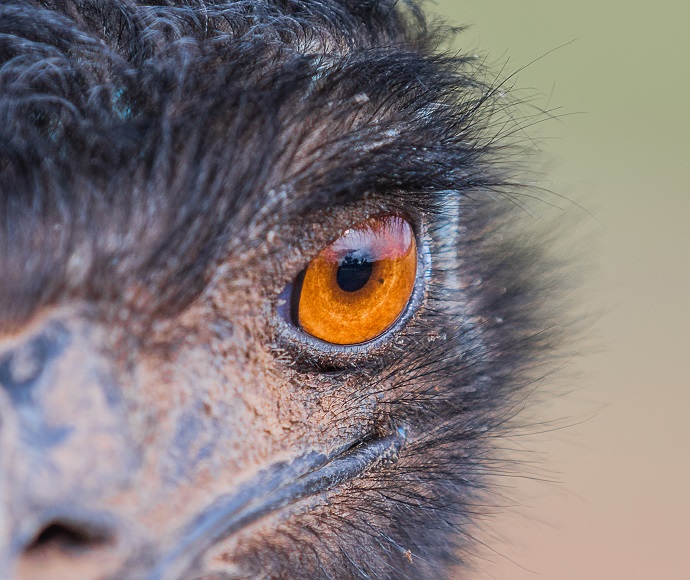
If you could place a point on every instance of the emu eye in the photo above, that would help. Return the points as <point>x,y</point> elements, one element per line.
<point>358,286</point>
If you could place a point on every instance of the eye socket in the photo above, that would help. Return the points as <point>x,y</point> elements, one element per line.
<point>358,286</point>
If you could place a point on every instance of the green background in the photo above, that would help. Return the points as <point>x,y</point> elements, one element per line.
<point>619,506</point>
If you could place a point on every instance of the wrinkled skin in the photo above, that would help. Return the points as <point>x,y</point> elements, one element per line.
<point>165,173</point>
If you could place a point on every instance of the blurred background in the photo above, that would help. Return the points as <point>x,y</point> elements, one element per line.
<point>617,72</point>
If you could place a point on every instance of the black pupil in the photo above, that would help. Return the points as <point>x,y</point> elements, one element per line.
<point>354,272</point>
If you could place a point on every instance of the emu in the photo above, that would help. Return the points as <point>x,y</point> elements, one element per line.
<point>263,312</point>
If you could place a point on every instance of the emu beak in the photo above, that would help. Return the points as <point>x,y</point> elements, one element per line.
<point>66,451</point>
<point>276,488</point>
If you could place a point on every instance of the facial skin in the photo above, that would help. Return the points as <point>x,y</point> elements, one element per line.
<point>166,173</point>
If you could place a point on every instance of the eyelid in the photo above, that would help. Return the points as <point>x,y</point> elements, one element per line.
<point>313,349</point>
<point>358,286</point>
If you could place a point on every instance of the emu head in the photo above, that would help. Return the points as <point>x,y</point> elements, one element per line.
<point>261,311</point>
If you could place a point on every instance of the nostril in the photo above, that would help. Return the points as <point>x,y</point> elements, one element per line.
<point>70,536</point>
<point>78,545</point>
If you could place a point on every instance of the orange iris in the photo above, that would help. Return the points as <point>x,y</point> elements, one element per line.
<point>358,286</point>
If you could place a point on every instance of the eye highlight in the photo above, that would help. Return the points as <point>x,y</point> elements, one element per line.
<point>358,286</point>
